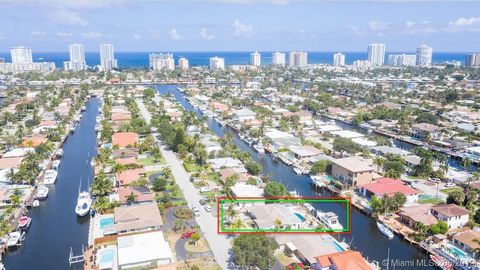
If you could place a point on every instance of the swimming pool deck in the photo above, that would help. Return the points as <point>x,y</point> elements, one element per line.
<point>94,230</point>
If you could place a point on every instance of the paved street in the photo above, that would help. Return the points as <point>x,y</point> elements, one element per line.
<point>219,244</point>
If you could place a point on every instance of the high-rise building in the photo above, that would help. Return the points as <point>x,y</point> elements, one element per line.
<point>255,58</point>
<point>107,57</point>
<point>217,63</point>
<point>376,54</point>
<point>338,59</point>
<point>21,55</point>
<point>159,61</point>
<point>297,59</point>
<point>77,58</point>
<point>401,60</point>
<point>278,58</point>
<point>473,60</point>
<point>183,63</point>
<point>424,56</point>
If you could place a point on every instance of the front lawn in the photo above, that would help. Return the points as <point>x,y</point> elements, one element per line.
<point>192,167</point>
<point>448,190</point>
<point>431,200</point>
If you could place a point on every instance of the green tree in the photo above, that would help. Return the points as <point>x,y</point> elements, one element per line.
<point>274,189</point>
<point>457,197</point>
<point>320,166</point>
<point>195,237</point>
<point>253,167</point>
<point>254,251</point>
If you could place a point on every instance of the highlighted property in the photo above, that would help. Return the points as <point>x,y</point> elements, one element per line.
<point>283,215</point>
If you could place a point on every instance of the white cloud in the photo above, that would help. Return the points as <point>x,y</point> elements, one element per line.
<point>378,26</point>
<point>241,29</point>
<point>64,34</point>
<point>137,37</point>
<point>206,34</point>
<point>175,35</point>
<point>91,35</point>
<point>38,34</point>
<point>423,27</point>
<point>465,22</point>
<point>155,33</point>
<point>68,17</point>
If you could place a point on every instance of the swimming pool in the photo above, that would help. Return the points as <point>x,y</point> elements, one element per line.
<point>329,178</point>
<point>456,251</point>
<point>300,217</point>
<point>338,247</point>
<point>106,221</point>
<point>106,256</point>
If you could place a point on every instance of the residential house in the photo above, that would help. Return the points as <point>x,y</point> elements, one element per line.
<point>304,151</point>
<point>411,215</point>
<point>125,139</point>
<point>345,260</point>
<point>137,218</point>
<point>141,194</point>
<point>244,114</point>
<point>452,214</point>
<point>468,241</point>
<point>352,171</point>
<point>425,130</point>
<point>388,187</point>
<point>264,216</point>
<point>129,176</point>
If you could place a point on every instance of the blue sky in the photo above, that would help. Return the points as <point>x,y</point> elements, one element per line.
<point>240,25</point>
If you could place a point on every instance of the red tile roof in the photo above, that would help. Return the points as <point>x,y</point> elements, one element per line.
<point>124,161</point>
<point>129,176</point>
<point>124,139</point>
<point>346,260</point>
<point>140,194</point>
<point>389,186</point>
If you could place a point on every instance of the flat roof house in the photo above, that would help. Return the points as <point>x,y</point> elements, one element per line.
<point>352,171</point>
<point>143,251</point>
<point>264,216</point>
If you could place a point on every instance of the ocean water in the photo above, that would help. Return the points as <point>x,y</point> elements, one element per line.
<point>140,59</point>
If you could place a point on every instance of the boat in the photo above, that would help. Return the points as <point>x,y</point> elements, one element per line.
<point>248,140</point>
<point>329,219</point>
<point>72,129</point>
<point>259,148</point>
<point>84,203</point>
<point>14,239</point>
<point>59,152</point>
<point>50,177</point>
<point>297,171</point>
<point>92,163</point>
<point>56,164</point>
<point>42,192</point>
<point>24,222</point>
<point>35,203</point>
<point>97,128</point>
<point>441,262</point>
<point>83,108</point>
<point>385,230</point>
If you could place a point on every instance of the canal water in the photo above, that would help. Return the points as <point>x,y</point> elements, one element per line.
<point>365,236</point>
<point>55,227</point>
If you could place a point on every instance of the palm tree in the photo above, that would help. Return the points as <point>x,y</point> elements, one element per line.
<point>277,223</point>
<point>231,212</point>
<point>237,224</point>
<point>15,197</point>
<point>393,174</point>
<point>132,198</point>
<point>466,163</point>
<point>101,204</point>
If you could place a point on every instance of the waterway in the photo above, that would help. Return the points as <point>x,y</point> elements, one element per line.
<point>55,227</point>
<point>364,237</point>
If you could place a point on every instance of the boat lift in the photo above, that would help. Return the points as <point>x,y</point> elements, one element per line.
<point>73,259</point>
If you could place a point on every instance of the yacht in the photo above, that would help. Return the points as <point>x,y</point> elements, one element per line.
<point>42,192</point>
<point>72,129</point>
<point>59,152</point>
<point>14,239</point>
<point>441,262</point>
<point>259,148</point>
<point>385,230</point>
<point>56,164</point>
<point>24,222</point>
<point>330,220</point>
<point>50,177</point>
<point>84,202</point>
<point>297,171</point>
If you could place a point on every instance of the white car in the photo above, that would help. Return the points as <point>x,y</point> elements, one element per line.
<point>450,184</point>
<point>208,208</point>
<point>195,211</point>
<point>205,189</point>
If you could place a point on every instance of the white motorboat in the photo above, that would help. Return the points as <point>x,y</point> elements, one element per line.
<point>56,164</point>
<point>50,177</point>
<point>84,203</point>
<point>385,230</point>
<point>259,148</point>
<point>330,220</point>
<point>72,129</point>
<point>42,192</point>
<point>35,203</point>
<point>59,152</point>
<point>14,239</point>
<point>297,171</point>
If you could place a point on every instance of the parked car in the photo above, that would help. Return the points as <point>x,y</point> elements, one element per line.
<point>205,189</point>
<point>195,211</point>
<point>202,202</point>
<point>208,208</point>
<point>434,180</point>
<point>187,234</point>
<point>450,184</point>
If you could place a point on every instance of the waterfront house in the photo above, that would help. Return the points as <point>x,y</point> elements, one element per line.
<point>246,190</point>
<point>244,114</point>
<point>388,187</point>
<point>129,176</point>
<point>468,241</point>
<point>10,163</point>
<point>121,117</point>
<point>264,216</point>
<point>18,152</point>
<point>421,213</point>
<point>142,194</point>
<point>423,130</point>
<point>125,139</point>
<point>304,151</point>
<point>452,214</point>
<point>227,172</point>
<point>143,251</point>
<point>307,247</point>
<point>137,218</point>
<point>125,153</point>
<point>345,260</point>
<point>352,171</point>
<point>34,141</point>
<point>221,163</point>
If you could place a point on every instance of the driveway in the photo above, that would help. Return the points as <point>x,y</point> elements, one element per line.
<point>219,243</point>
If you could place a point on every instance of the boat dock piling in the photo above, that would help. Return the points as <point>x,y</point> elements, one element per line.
<point>73,259</point>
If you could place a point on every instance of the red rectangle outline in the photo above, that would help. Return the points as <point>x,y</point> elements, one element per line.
<point>349,199</point>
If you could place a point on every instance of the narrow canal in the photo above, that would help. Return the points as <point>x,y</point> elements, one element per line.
<point>55,226</point>
<point>365,236</point>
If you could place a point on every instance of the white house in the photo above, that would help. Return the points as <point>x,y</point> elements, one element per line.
<point>244,114</point>
<point>454,215</point>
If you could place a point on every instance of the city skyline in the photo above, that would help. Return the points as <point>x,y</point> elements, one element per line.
<point>240,26</point>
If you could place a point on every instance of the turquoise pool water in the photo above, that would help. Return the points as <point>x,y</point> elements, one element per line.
<point>457,252</point>
<point>106,221</point>
<point>328,178</point>
<point>300,217</point>
<point>338,247</point>
<point>106,256</point>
